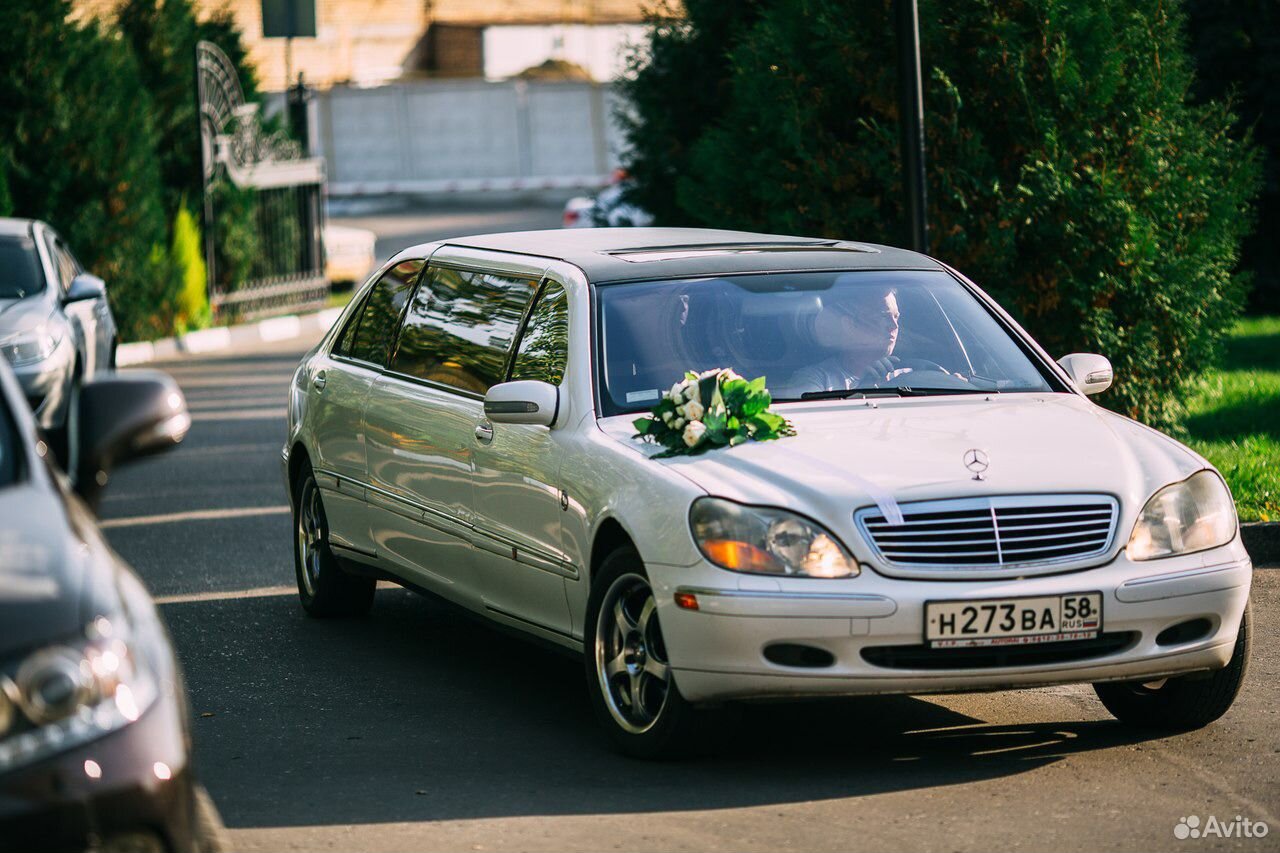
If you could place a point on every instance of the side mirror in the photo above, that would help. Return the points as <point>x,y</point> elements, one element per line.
<point>126,416</point>
<point>527,401</point>
<point>1091,373</point>
<point>85,286</point>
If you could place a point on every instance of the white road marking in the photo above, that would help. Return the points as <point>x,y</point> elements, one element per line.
<point>226,595</point>
<point>193,515</point>
<point>240,415</point>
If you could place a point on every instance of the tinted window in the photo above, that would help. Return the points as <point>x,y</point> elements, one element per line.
<point>806,332</point>
<point>459,328</point>
<point>545,343</point>
<point>20,273</point>
<point>381,313</point>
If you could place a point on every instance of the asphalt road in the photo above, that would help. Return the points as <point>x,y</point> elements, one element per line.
<point>420,729</point>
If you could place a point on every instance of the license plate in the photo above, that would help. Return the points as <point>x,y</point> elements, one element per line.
<point>1013,621</point>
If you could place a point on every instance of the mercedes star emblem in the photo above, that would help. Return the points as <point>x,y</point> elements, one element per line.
<point>976,461</point>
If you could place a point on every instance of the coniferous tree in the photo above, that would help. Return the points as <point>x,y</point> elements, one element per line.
<point>1069,171</point>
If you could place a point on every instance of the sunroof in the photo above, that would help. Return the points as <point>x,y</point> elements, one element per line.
<point>672,253</point>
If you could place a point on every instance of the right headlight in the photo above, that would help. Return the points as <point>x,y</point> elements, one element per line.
<point>70,693</point>
<point>1193,515</point>
<point>766,541</point>
<point>35,345</point>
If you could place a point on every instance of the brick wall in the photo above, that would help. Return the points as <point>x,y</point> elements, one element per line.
<point>371,41</point>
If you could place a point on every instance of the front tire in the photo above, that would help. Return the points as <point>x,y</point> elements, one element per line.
<point>1183,703</point>
<point>628,669</point>
<point>323,587</point>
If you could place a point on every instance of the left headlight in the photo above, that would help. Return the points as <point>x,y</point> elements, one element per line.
<point>762,540</point>
<point>35,345</point>
<point>1193,515</point>
<point>70,693</point>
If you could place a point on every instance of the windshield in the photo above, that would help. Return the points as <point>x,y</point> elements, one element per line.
<point>841,333</point>
<point>19,268</point>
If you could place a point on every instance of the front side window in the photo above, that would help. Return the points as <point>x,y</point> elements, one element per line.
<point>808,334</point>
<point>375,324</point>
<point>20,273</point>
<point>460,326</point>
<point>544,346</point>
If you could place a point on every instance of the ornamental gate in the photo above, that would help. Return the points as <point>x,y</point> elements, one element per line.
<point>263,204</point>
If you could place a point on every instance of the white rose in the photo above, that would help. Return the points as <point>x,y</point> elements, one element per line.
<point>678,423</point>
<point>668,416</point>
<point>675,391</point>
<point>693,410</point>
<point>693,433</point>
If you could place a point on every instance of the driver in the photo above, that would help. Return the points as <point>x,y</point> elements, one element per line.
<point>861,325</point>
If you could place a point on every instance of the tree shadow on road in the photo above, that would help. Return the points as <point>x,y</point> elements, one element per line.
<point>420,713</point>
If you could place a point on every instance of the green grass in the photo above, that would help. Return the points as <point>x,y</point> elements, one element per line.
<point>1233,417</point>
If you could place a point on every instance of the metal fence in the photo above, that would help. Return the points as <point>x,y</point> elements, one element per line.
<point>263,204</point>
<point>437,136</point>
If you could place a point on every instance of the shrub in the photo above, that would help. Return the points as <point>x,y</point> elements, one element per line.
<point>1068,172</point>
<point>186,257</point>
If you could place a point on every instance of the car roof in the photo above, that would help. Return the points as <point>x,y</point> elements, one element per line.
<point>10,226</point>
<point>609,255</point>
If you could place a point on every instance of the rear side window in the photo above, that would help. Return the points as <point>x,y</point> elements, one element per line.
<point>459,328</point>
<point>370,332</point>
<point>544,346</point>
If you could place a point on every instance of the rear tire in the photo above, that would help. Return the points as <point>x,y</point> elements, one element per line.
<point>1183,703</point>
<point>324,588</point>
<point>632,688</point>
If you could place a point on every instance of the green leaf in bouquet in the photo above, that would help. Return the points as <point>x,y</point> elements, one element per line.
<point>643,425</point>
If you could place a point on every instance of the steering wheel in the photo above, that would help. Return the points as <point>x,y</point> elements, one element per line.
<point>914,364</point>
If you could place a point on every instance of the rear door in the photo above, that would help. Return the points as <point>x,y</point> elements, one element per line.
<point>421,423</point>
<point>340,384</point>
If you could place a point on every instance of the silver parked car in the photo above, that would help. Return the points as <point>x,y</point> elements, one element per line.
<point>56,328</point>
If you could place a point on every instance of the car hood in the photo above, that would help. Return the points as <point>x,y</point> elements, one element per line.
<point>848,454</point>
<point>52,582</point>
<point>20,315</point>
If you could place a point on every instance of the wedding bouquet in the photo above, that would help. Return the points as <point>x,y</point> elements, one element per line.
<point>715,408</point>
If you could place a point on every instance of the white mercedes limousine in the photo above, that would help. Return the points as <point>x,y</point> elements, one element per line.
<point>953,512</point>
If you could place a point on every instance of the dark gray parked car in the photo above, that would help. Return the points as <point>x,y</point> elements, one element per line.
<point>56,328</point>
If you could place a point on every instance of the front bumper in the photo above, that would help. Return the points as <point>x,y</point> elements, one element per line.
<point>56,805</point>
<point>718,651</point>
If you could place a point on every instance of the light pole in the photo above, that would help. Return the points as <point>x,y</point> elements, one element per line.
<point>911,121</point>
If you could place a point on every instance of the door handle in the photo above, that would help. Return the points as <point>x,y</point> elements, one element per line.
<point>319,381</point>
<point>484,433</point>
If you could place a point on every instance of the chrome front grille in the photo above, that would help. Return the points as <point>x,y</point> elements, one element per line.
<point>1003,532</point>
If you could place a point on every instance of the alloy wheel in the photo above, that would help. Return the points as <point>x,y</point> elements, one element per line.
<point>631,658</point>
<point>310,536</point>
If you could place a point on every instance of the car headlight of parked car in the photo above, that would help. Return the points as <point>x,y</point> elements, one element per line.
<point>1193,515</point>
<point>34,345</point>
<point>70,693</point>
<point>767,541</point>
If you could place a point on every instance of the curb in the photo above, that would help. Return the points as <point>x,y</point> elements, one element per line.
<point>226,337</point>
<point>1262,541</point>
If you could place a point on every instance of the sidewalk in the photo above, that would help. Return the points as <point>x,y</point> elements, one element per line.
<point>227,337</point>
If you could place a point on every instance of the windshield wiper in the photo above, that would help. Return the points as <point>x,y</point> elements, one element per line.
<point>893,391</point>
<point>845,393</point>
